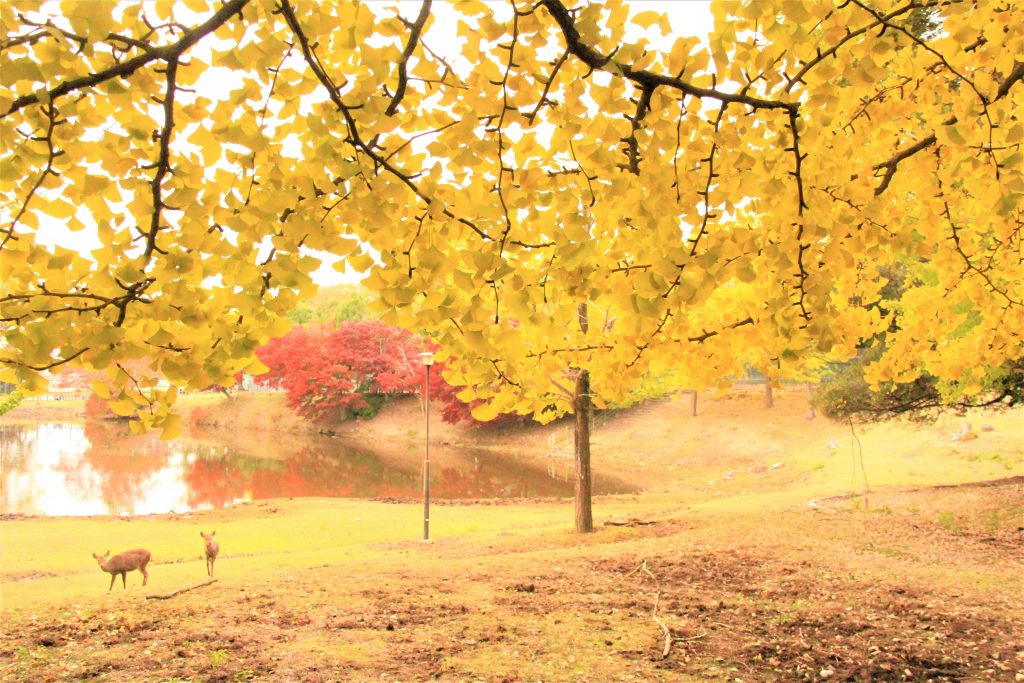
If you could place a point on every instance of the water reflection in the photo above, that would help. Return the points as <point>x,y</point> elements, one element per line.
<point>102,468</point>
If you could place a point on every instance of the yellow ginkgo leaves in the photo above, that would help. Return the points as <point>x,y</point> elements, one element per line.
<point>739,201</point>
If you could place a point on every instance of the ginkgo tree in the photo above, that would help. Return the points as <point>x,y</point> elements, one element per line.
<point>577,197</point>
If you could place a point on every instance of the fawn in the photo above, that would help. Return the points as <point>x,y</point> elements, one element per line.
<point>122,563</point>
<point>212,548</point>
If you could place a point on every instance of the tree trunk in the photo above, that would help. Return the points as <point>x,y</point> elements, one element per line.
<point>583,407</point>
<point>693,403</point>
<point>768,400</point>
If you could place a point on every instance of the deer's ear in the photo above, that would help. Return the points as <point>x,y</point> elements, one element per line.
<point>213,533</point>
<point>202,534</point>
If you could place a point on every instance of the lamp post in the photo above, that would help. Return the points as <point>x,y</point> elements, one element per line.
<point>428,359</point>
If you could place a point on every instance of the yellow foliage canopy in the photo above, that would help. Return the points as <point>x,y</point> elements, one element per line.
<point>710,205</point>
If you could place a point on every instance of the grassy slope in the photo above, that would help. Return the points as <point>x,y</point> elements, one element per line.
<point>737,566</point>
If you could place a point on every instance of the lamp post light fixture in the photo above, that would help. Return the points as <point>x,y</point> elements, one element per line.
<point>428,359</point>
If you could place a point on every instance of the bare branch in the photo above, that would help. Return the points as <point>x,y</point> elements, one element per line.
<point>414,36</point>
<point>163,162</point>
<point>891,164</point>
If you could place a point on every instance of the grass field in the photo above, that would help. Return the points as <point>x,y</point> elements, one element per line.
<point>764,547</point>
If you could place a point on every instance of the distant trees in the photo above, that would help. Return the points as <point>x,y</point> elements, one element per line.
<point>337,304</point>
<point>845,393</point>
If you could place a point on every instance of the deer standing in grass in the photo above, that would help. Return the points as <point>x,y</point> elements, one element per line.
<point>212,548</point>
<point>122,563</point>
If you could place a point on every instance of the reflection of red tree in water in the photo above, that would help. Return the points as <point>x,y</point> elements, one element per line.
<point>122,460</point>
<point>215,482</point>
<point>120,464</point>
<point>310,472</point>
<point>332,470</point>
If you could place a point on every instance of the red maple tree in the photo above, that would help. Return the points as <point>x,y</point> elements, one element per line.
<point>345,371</point>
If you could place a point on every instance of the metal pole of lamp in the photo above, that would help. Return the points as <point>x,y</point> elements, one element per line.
<point>428,359</point>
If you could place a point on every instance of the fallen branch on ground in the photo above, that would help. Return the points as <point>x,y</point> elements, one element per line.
<point>629,522</point>
<point>643,566</point>
<point>654,612</point>
<point>668,634</point>
<point>165,596</point>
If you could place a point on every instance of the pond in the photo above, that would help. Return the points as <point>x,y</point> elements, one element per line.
<point>99,467</point>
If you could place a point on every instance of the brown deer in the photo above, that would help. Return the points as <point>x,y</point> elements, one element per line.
<point>122,563</point>
<point>212,548</point>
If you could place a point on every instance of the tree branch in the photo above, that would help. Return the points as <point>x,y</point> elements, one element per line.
<point>167,596</point>
<point>48,366</point>
<point>547,86</point>
<point>891,164</point>
<point>644,78</point>
<point>163,162</point>
<point>708,335</point>
<point>822,56</point>
<point>414,36</point>
<point>125,69</point>
<point>1014,77</point>
<point>354,138</point>
<point>51,153</point>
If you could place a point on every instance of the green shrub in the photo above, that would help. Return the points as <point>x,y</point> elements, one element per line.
<point>10,401</point>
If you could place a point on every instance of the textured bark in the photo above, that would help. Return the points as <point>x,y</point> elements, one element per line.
<point>583,407</point>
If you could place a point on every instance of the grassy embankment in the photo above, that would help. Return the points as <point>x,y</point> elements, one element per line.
<point>737,563</point>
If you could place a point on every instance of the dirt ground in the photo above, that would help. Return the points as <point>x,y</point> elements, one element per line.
<point>757,583</point>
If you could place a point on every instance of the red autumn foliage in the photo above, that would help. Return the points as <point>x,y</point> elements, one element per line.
<point>456,411</point>
<point>96,407</point>
<point>344,371</point>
